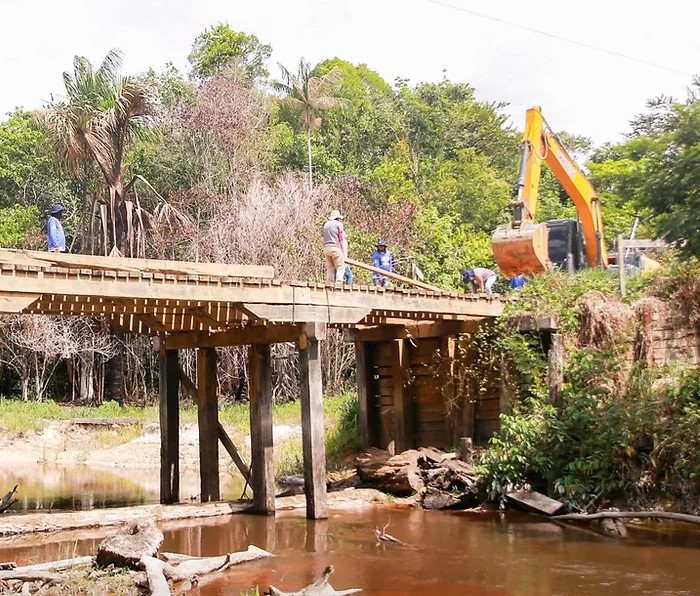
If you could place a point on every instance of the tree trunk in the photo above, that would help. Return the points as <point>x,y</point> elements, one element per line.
<point>25,387</point>
<point>115,371</point>
<point>308,144</point>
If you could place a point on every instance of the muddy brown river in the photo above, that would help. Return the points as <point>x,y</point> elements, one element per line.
<point>445,553</point>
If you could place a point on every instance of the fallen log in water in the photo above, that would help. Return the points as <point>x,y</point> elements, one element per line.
<point>320,587</point>
<point>178,567</point>
<point>395,474</point>
<point>684,517</point>
<point>8,500</point>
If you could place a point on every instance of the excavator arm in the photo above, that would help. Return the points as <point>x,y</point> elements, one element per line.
<point>521,247</point>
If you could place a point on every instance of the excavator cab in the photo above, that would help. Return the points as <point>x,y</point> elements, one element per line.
<point>521,247</point>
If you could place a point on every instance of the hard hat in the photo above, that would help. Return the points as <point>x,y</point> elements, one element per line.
<point>382,243</point>
<point>57,208</point>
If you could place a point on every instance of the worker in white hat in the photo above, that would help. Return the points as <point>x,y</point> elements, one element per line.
<point>333,244</point>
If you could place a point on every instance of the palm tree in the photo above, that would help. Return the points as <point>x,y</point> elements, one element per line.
<point>309,95</point>
<point>103,112</point>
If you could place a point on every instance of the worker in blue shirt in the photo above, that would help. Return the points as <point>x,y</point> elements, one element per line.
<point>382,259</point>
<point>54,230</point>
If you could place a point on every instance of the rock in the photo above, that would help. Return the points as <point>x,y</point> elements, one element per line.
<point>126,548</point>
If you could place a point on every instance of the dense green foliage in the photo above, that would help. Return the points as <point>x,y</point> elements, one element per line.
<point>617,431</point>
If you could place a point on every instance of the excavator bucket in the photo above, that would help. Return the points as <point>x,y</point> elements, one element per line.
<point>521,249</point>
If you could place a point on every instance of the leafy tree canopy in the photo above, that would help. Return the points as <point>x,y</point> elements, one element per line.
<point>219,45</point>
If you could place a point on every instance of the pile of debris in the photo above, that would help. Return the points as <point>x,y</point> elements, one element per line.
<point>439,480</point>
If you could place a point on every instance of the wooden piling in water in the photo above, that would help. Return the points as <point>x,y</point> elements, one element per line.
<point>208,419</point>
<point>261,445</point>
<point>169,409</point>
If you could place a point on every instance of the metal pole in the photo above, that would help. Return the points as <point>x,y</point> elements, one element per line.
<point>621,264</point>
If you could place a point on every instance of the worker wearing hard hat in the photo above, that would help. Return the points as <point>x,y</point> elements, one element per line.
<point>382,259</point>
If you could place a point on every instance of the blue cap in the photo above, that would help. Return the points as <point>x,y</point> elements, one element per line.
<point>57,208</point>
<point>468,274</point>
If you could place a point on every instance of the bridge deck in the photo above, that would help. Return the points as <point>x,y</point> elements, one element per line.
<point>164,297</point>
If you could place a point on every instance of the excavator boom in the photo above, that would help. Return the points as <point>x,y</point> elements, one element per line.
<point>522,246</point>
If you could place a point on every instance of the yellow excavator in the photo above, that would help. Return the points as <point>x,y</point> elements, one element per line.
<point>526,247</point>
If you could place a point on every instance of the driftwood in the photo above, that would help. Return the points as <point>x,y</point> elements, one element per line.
<point>382,536</point>
<point>320,587</point>
<point>684,517</point>
<point>178,567</point>
<point>8,500</point>
<point>155,572</point>
<point>126,548</point>
<point>31,576</point>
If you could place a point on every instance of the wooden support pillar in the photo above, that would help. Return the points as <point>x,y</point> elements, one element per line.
<point>555,367</point>
<point>312,422</point>
<point>362,373</point>
<point>168,386</point>
<point>208,417</point>
<point>401,418</point>
<point>261,463</point>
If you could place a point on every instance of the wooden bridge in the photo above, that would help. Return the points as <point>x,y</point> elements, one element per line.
<point>403,400</point>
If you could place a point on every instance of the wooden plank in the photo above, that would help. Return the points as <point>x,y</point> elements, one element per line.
<point>169,409</point>
<point>402,413</point>
<point>392,275</point>
<point>45,260</point>
<point>208,418</point>
<point>261,442</point>
<point>312,430</point>
<point>246,336</point>
<point>534,501</point>
<point>299,313</point>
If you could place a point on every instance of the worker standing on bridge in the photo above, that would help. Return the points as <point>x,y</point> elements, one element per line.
<point>480,279</point>
<point>54,230</point>
<point>333,247</point>
<point>382,259</point>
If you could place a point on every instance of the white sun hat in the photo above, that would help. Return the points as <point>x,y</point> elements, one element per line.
<point>335,214</point>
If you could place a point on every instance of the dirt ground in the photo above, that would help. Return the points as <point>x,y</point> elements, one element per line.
<point>65,443</point>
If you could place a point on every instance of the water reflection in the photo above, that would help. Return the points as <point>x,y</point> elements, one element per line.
<point>77,488</point>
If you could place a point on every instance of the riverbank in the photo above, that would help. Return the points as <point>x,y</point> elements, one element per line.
<point>128,438</point>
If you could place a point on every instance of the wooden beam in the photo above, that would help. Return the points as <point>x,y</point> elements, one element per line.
<point>362,374</point>
<point>245,336</point>
<point>555,368</point>
<point>46,260</point>
<point>392,275</point>
<point>168,387</point>
<point>191,389</point>
<point>16,303</point>
<point>208,418</point>
<point>300,313</point>
<point>415,330</point>
<point>233,452</point>
<point>261,445</point>
<point>312,430</point>
<point>402,415</point>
